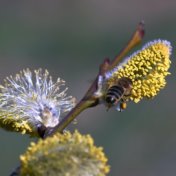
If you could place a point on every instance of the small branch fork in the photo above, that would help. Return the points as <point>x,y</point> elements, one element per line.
<point>89,99</point>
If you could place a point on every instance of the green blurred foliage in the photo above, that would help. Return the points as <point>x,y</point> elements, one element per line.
<point>71,39</point>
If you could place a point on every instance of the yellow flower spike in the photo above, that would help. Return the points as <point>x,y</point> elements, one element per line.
<point>64,154</point>
<point>147,69</point>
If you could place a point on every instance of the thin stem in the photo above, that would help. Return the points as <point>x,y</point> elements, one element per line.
<point>71,116</point>
<point>135,39</point>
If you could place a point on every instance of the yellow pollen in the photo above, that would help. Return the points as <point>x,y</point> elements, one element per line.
<point>74,154</point>
<point>147,69</point>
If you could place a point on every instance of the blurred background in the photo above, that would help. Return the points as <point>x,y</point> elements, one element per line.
<point>71,39</point>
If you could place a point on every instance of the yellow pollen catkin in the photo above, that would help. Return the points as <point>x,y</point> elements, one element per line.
<point>64,154</point>
<point>146,68</point>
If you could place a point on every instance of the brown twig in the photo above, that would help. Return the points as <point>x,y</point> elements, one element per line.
<point>135,39</point>
<point>89,100</point>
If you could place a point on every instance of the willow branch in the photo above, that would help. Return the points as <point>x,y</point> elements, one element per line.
<point>135,39</point>
<point>89,100</point>
<point>82,105</point>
